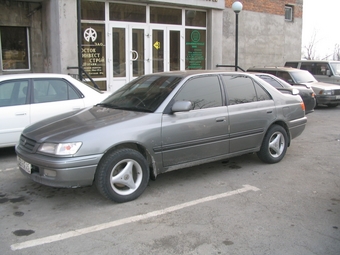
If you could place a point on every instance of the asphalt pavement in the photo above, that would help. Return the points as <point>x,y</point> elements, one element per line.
<point>234,206</point>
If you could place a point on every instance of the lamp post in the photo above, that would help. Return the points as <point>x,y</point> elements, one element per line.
<point>237,8</point>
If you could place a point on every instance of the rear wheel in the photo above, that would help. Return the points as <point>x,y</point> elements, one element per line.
<point>122,176</point>
<point>274,145</point>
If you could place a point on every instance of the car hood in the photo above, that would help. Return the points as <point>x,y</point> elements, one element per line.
<point>72,125</point>
<point>322,85</point>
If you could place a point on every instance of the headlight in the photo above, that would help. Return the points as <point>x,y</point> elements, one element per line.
<point>327,92</point>
<point>60,148</point>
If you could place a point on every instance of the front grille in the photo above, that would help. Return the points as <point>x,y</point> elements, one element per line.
<point>337,92</point>
<point>27,143</point>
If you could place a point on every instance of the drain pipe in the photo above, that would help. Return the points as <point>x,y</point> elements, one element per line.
<point>80,60</point>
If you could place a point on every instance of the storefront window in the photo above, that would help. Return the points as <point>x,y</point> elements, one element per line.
<point>93,50</point>
<point>127,12</point>
<point>195,18</point>
<point>14,48</point>
<point>163,15</point>
<point>195,49</point>
<point>92,10</point>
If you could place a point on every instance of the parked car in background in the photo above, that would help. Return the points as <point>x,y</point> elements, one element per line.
<point>306,92</point>
<point>322,70</point>
<point>28,98</point>
<point>157,123</point>
<point>325,93</point>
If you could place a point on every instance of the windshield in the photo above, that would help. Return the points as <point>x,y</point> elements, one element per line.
<point>303,77</point>
<point>142,94</point>
<point>336,68</point>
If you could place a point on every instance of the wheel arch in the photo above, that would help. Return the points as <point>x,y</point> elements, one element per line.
<point>285,126</point>
<point>137,147</point>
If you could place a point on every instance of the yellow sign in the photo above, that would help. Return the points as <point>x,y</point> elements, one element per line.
<point>157,45</point>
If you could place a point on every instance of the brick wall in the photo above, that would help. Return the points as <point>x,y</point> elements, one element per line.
<point>276,7</point>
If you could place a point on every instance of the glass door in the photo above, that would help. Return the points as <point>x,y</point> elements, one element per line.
<point>136,50</point>
<point>166,49</point>
<point>127,54</point>
<point>137,53</point>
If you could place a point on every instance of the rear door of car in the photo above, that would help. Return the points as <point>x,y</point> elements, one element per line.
<point>200,133</point>
<point>251,110</point>
<point>14,110</point>
<point>53,96</point>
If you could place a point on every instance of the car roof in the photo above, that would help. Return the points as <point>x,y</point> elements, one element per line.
<point>32,75</point>
<point>275,68</point>
<point>314,61</point>
<point>186,73</point>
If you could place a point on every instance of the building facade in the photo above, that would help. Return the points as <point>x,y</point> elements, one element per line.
<point>116,41</point>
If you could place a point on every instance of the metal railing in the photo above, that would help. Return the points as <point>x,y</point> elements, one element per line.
<point>81,70</point>
<point>233,66</point>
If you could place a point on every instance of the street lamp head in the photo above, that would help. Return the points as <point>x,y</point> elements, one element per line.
<point>237,7</point>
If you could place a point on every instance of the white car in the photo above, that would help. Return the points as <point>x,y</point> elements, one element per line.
<point>28,98</point>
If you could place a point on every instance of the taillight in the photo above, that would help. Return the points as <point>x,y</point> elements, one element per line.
<point>303,106</point>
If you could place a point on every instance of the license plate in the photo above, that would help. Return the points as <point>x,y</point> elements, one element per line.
<point>24,165</point>
<point>337,97</point>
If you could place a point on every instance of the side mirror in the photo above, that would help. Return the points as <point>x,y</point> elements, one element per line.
<point>328,73</point>
<point>290,81</point>
<point>182,106</point>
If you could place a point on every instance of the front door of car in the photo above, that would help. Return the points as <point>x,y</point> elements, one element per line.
<point>251,109</point>
<point>200,133</point>
<point>14,110</point>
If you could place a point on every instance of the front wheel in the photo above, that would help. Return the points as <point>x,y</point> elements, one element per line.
<point>122,175</point>
<point>274,145</point>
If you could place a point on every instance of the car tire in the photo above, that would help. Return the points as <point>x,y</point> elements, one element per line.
<point>122,175</point>
<point>274,145</point>
<point>332,105</point>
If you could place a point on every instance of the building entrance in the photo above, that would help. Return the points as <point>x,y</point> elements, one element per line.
<point>138,49</point>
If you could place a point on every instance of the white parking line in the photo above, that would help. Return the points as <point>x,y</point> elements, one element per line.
<point>83,231</point>
<point>8,169</point>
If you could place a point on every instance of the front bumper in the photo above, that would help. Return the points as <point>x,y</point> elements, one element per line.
<point>60,172</point>
<point>326,100</point>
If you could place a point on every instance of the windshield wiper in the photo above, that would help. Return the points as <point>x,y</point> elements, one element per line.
<point>112,106</point>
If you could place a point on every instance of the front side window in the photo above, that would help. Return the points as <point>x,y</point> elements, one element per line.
<point>203,92</point>
<point>13,93</point>
<point>336,68</point>
<point>14,48</point>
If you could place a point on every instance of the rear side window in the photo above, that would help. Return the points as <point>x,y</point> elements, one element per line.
<point>242,89</point>
<point>52,90</point>
<point>13,92</point>
<point>203,92</point>
<point>316,68</point>
<point>292,64</point>
<point>271,81</point>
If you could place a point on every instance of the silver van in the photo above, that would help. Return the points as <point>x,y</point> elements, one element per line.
<point>323,70</point>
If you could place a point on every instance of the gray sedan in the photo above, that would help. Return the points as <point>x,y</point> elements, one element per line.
<point>158,123</point>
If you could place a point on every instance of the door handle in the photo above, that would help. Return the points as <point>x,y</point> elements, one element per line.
<point>20,114</point>
<point>136,55</point>
<point>221,119</point>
